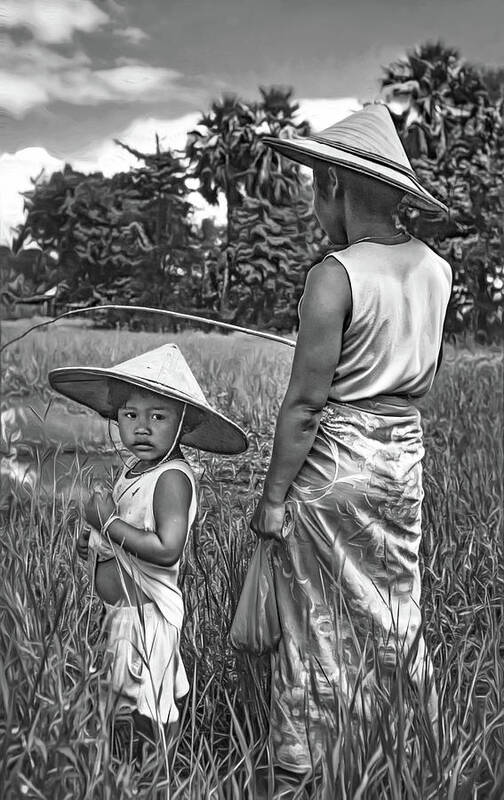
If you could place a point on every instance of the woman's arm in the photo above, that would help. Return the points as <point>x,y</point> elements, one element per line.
<point>172,499</point>
<point>327,304</point>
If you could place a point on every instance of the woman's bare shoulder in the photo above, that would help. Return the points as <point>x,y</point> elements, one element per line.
<point>328,274</point>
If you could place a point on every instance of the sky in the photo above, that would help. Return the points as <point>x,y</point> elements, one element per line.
<point>75,74</point>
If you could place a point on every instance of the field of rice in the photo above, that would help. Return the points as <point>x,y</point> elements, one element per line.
<point>53,742</point>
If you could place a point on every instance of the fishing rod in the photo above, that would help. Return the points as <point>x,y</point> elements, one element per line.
<point>162,312</point>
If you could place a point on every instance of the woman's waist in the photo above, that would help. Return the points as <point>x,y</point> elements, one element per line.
<point>395,405</point>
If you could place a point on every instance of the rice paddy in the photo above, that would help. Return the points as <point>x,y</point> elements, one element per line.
<point>53,742</point>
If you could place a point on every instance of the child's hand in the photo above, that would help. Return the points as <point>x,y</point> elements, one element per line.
<point>98,508</point>
<point>82,546</point>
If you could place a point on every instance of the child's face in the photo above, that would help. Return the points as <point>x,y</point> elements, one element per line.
<point>148,424</point>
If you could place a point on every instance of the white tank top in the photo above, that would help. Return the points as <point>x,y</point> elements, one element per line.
<point>134,495</point>
<point>400,295</point>
<point>134,499</point>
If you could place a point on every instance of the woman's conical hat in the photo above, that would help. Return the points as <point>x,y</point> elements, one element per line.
<point>165,372</point>
<point>365,142</point>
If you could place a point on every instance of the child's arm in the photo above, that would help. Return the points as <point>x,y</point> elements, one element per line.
<point>172,499</point>
<point>82,545</point>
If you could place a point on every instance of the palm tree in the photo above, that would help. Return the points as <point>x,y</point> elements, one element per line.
<point>273,177</point>
<point>220,156</point>
<point>454,132</point>
<point>429,92</point>
<point>228,157</point>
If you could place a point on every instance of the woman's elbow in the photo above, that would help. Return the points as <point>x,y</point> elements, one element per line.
<point>306,411</point>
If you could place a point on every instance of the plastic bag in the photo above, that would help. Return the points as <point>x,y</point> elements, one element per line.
<point>256,625</point>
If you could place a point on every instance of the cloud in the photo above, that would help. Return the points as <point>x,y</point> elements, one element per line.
<point>133,35</point>
<point>34,75</point>
<point>18,94</point>
<point>322,112</point>
<point>53,21</point>
<point>16,169</point>
<point>109,158</point>
<point>16,172</point>
<point>134,81</point>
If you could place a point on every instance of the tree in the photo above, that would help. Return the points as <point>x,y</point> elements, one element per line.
<point>126,238</point>
<point>27,275</point>
<point>275,246</point>
<point>48,222</point>
<point>219,159</point>
<point>493,78</point>
<point>452,132</point>
<point>270,175</point>
<point>159,206</point>
<point>228,157</point>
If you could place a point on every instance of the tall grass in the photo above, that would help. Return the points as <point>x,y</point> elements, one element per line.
<point>54,743</point>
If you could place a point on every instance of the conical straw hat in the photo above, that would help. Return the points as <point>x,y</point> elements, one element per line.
<point>365,142</point>
<point>166,372</point>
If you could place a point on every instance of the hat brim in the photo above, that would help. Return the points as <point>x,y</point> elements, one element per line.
<point>89,386</point>
<point>309,151</point>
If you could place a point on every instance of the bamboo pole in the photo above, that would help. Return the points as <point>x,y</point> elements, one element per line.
<point>160,311</point>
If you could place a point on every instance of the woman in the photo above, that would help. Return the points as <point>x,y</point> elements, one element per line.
<point>343,491</point>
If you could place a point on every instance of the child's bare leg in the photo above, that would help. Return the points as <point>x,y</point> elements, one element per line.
<point>288,785</point>
<point>154,755</point>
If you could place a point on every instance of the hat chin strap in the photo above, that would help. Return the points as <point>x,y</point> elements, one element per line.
<point>176,438</point>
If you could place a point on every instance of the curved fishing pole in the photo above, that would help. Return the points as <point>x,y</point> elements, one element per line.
<point>162,312</point>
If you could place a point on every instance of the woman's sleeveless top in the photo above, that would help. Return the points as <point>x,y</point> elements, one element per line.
<point>400,295</point>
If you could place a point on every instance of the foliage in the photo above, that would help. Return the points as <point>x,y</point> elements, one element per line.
<point>54,742</point>
<point>27,275</point>
<point>453,133</point>
<point>274,248</point>
<point>493,78</point>
<point>126,238</point>
<point>130,238</point>
<point>270,232</point>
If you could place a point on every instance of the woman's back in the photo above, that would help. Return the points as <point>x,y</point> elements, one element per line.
<point>399,298</point>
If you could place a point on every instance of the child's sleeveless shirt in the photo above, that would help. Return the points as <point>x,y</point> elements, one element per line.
<point>134,495</point>
<point>134,499</point>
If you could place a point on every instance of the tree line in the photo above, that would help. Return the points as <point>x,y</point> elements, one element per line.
<point>132,239</point>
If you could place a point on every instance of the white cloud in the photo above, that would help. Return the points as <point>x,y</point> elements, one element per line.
<point>107,157</point>
<point>33,75</point>
<point>16,173</point>
<point>323,112</point>
<point>136,79</point>
<point>36,82</point>
<point>18,94</point>
<point>53,21</point>
<point>133,35</point>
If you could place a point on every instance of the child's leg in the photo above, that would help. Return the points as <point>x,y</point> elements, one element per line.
<point>287,785</point>
<point>150,737</point>
<point>146,672</point>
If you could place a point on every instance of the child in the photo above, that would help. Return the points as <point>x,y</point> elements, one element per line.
<point>139,531</point>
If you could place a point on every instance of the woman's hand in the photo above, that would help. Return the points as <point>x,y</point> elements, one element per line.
<point>98,508</point>
<point>268,519</point>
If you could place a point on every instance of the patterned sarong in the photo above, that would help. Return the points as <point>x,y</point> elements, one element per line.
<point>347,573</point>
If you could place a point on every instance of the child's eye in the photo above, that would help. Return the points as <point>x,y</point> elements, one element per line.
<point>130,414</point>
<point>158,416</point>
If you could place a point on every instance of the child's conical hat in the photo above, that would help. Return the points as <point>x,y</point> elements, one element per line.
<point>365,142</point>
<point>166,372</point>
